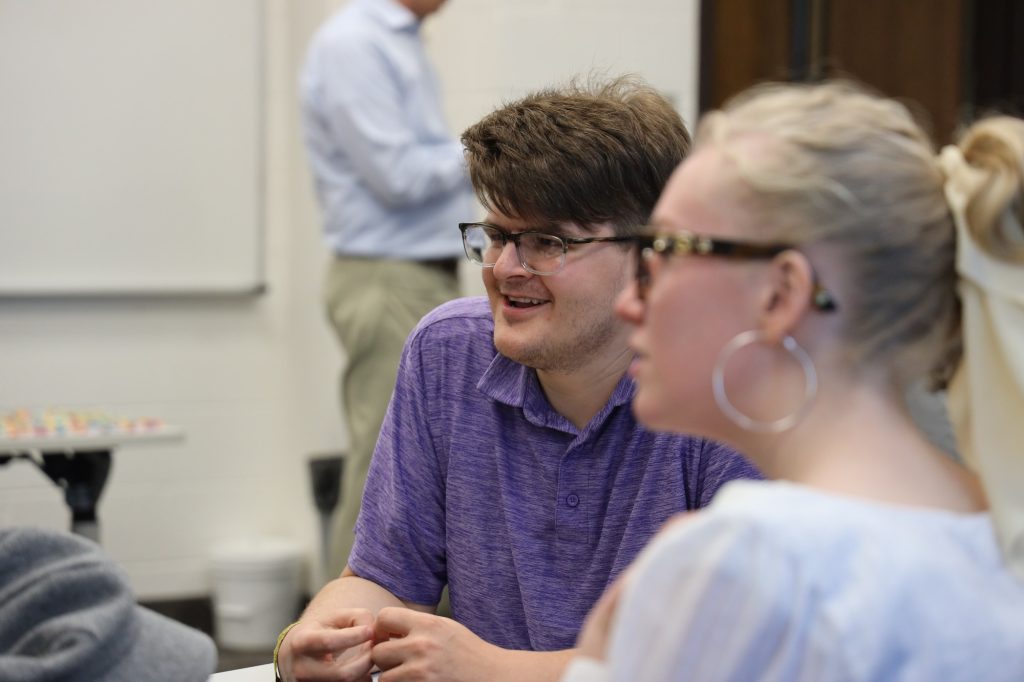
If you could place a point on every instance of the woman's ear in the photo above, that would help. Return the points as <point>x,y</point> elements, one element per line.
<point>787,298</point>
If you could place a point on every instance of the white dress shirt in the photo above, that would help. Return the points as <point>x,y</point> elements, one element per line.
<point>390,178</point>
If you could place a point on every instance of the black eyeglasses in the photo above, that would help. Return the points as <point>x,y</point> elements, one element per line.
<point>689,244</point>
<point>538,252</point>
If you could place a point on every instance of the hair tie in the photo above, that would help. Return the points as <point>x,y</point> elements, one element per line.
<point>962,181</point>
<point>986,393</point>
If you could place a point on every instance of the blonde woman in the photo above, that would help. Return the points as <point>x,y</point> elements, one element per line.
<point>802,268</point>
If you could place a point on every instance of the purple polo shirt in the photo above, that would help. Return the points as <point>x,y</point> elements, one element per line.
<point>477,482</point>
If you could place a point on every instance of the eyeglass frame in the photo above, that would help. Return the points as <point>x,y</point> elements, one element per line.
<point>516,237</point>
<point>686,243</point>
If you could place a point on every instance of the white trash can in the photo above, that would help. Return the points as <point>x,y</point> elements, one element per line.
<point>256,589</point>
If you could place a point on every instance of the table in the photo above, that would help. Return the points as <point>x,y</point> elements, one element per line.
<point>259,673</point>
<point>80,464</point>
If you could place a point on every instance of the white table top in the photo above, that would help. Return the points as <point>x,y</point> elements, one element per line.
<point>259,673</point>
<point>88,441</point>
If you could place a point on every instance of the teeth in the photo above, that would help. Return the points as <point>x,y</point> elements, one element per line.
<point>531,301</point>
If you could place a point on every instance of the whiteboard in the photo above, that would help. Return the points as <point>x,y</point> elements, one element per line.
<point>131,146</point>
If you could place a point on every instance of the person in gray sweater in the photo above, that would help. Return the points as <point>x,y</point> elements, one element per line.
<point>67,613</point>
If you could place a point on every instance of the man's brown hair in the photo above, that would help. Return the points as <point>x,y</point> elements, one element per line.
<point>584,153</point>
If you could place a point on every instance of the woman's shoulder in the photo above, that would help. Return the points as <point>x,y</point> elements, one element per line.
<point>828,531</point>
<point>844,574</point>
<point>884,559</point>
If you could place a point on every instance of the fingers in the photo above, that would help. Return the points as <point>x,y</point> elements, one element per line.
<point>353,665</point>
<point>412,645</point>
<point>345,629</point>
<point>346,647</point>
<point>318,641</point>
<point>390,654</point>
<point>407,638</point>
<point>357,668</point>
<point>393,622</point>
<point>323,653</point>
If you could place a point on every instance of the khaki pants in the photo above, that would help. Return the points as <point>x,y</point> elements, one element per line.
<point>373,305</point>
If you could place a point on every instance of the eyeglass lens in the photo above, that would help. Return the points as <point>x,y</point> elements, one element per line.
<point>539,253</point>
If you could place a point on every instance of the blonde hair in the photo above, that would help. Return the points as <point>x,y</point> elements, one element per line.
<point>853,169</point>
<point>985,184</point>
<point>994,150</point>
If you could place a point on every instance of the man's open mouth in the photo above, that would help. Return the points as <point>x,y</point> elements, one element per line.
<point>519,302</point>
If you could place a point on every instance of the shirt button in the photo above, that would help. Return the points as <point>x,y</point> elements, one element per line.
<point>572,500</point>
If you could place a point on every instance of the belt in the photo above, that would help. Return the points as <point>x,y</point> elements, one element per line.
<point>447,265</point>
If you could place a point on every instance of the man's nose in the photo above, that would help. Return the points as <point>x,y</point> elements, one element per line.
<point>508,264</point>
<point>628,304</point>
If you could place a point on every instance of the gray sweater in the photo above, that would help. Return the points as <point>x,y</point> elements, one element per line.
<point>67,613</point>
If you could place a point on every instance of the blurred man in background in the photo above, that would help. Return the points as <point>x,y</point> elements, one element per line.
<point>392,185</point>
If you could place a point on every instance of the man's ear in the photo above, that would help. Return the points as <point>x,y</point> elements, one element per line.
<point>787,295</point>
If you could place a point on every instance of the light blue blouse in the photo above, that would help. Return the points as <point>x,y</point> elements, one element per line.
<point>776,581</point>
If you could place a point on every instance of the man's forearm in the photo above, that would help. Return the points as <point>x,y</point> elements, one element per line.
<point>536,666</point>
<point>490,662</point>
<point>347,592</point>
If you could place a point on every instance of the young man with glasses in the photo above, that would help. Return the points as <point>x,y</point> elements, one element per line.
<point>510,466</point>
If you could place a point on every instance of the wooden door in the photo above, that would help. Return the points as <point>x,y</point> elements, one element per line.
<point>949,59</point>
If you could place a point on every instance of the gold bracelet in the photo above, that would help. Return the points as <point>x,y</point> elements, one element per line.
<point>277,649</point>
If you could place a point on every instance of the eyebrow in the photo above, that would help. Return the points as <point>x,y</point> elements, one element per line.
<point>656,228</point>
<point>551,227</point>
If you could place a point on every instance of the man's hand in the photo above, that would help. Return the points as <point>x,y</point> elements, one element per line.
<point>338,650</point>
<point>424,647</point>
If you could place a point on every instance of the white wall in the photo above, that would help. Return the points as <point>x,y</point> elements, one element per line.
<point>488,51</point>
<point>252,381</point>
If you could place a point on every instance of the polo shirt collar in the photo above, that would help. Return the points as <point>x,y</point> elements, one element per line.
<point>392,14</point>
<point>511,383</point>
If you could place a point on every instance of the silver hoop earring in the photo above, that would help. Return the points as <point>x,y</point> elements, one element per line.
<point>742,420</point>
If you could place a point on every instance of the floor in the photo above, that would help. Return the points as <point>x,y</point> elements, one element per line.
<point>198,613</point>
<point>233,660</point>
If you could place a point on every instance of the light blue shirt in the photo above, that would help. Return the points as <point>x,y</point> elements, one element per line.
<point>781,582</point>
<point>390,178</point>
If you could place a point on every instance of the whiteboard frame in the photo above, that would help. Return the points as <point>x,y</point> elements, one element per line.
<point>258,285</point>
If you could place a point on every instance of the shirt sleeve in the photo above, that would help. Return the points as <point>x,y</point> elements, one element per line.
<point>716,599</point>
<point>400,531</point>
<point>717,465</point>
<point>362,107</point>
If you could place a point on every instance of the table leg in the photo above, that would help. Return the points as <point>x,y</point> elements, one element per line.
<point>82,475</point>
